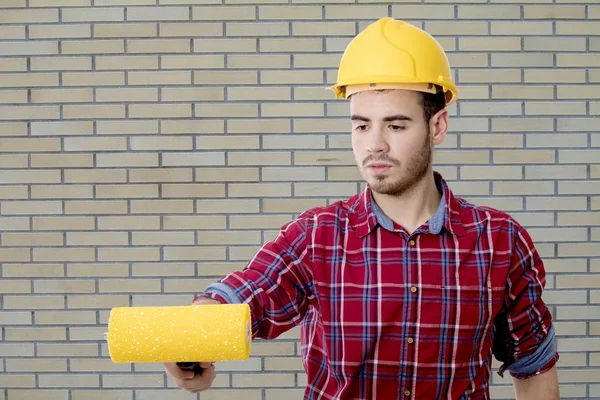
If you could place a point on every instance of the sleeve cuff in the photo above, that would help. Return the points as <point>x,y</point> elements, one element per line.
<point>220,292</point>
<point>544,357</point>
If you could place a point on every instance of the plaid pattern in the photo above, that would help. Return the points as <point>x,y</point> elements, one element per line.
<point>386,315</point>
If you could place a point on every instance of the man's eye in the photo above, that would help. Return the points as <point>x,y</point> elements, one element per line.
<point>361,127</point>
<point>397,128</point>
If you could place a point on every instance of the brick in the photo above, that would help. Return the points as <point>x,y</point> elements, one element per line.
<point>193,191</point>
<point>289,12</point>
<point>284,364</point>
<point>62,31</point>
<point>160,110</point>
<point>13,64</point>
<point>523,156</point>
<point>127,127</point>
<point>262,380</point>
<point>540,235</point>
<point>579,28</point>
<point>292,109</point>
<point>555,109</point>
<point>92,270</point>
<point>127,160</point>
<point>222,45</point>
<point>60,254</point>
<point>14,285</point>
<point>14,193</point>
<point>93,78</point>
<point>192,62</point>
<point>128,223</point>
<point>13,161</point>
<point>17,255</point>
<point>125,30</point>
<point>223,13</point>
<point>126,191</point>
<point>126,94</point>
<point>14,224</point>
<point>462,157</point>
<point>62,95</point>
<point>291,45</point>
<point>491,172</point>
<point>194,253</point>
<point>258,93</point>
<point>489,76</point>
<point>159,78</point>
<point>192,159</point>
<point>158,46</point>
<point>489,44</point>
<point>14,128</point>
<point>97,238</point>
<point>33,270</point>
<point>60,63</point>
<point>92,111</point>
<point>35,334</point>
<point>324,29</point>
<point>69,380</point>
<point>512,92</point>
<point>577,281</point>
<point>102,394</point>
<point>521,28</point>
<point>128,254</point>
<point>17,381</point>
<point>227,143</point>
<point>553,12</point>
<point>578,218</point>
<point>255,29</point>
<point>321,158</point>
<point>291,77</point>
<point>158,13</point>
<point>522,60</point>
<point>578,156</point>
<point>96,207</point>
<point>15,318</point>
<point>31,207</point>
<point>488,12</point>
<point>29,112</point>
<point>100,46</point>
<point>28,16</point>
<point>190,29</point>
<point>263,125</point>
<point>554,43</point>
<point>30,239</point>
<point>578,187</point>
<point>95,176</point>
<point>258,221</point>
<point>522,125</point>
<point>155,175</point>
<point>265,189</point>
<point>343,174</point>
<point>259,158</point>
<point>491,140</point>
<point>171,222</point>
<point>578,250</point>
<point>95,14</point>
<point>227,174</point>
<point>294,142</point>
<point>556,203</point>
<point>162,238</point>
<point>131,285</point>
<point>325,189</point>
<point>16,349</point>
<point>452,28</point>
<point>163,269</point>
<point>12,32</point>
<point>125,62</point>
<point>161,206</point>
<point>576,91</point>
<point>182,126</point>
<point>97,365</point>
<point>65,317</point>
<point>96,301</point>
<point>227,206</point>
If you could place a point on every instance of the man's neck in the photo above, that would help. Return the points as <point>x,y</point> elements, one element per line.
<point>413,208</point>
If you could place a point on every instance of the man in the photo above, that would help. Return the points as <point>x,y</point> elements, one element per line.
<point>403,291</point>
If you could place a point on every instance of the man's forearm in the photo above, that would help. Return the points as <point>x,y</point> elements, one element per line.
<point>538,387</point>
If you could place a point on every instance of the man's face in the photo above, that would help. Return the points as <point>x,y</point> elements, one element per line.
<point>390,139</point>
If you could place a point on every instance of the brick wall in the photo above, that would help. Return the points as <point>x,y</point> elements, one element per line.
<point>147,147</point>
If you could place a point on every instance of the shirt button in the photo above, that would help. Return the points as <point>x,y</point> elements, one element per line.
<point>411,243</point>
<point>410,340</point>
<point>407,393</point>
<point>413,289</point>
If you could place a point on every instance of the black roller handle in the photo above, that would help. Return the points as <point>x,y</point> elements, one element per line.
<point>192,366</point>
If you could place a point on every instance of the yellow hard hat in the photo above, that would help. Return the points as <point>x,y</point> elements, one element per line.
<point>391,53</point>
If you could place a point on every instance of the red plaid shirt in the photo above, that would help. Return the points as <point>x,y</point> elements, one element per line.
<point>388,315</point>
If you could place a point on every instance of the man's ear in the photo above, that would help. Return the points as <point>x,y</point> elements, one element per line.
<point>438,127</point>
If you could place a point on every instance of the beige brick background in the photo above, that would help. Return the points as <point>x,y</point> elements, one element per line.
<point>148,147</point>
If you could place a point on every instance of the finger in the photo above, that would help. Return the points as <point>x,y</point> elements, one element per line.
<point>199,382</point>
<point>177,373</point>
<point>206,364</point>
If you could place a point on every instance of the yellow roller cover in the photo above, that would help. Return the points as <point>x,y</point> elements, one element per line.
<point>211,332</point>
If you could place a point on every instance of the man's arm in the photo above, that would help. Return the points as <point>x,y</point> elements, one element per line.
<point>538,387</point>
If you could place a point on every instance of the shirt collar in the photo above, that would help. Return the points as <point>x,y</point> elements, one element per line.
<point>365,214</point>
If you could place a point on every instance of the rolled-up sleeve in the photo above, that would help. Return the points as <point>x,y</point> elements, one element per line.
<point>524,334</point>
<point>276,283</point>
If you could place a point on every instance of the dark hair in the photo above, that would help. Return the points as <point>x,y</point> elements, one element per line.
<point>432,103</point>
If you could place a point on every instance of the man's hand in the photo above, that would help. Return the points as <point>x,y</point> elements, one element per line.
<point>539,387</point>
<point>187,379</point>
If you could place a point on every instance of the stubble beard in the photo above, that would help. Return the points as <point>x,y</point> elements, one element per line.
<point>415,170</point>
